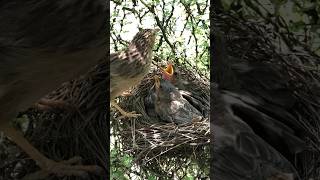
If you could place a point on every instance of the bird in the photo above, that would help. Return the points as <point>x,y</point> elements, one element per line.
<point>182,79</point>
<point>43,44</point>
<point>128,67</point>
<point>165,101</point>
<point>168,73</point>
<point>254,135</point>
<point>187,84</point>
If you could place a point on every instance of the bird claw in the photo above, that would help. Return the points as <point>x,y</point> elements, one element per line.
<point>124,113</point>
<point>132,114</point>
<point>69,167</point>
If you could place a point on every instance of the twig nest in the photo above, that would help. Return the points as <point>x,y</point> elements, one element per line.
<point>157,134</point>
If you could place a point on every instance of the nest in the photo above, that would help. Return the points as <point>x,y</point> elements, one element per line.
<point>253,41</point>
<point>157,145</point>
<point>77,129</point>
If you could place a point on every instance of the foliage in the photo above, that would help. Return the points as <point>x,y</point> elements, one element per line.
<point>120,163</point>
<point>184,26</point>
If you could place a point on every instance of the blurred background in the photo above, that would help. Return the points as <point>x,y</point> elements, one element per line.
<point>285,35</point>
<point>296,21</point>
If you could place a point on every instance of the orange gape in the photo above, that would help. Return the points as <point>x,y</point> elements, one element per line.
<point>168,72</point>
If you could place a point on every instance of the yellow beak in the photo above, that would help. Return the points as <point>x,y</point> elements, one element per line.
<point>169,69</point>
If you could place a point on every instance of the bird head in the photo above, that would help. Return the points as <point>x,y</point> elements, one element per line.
<point>145,38</point>
<point>167,74</point>
<point>163,88</point>
<point>164,84</point>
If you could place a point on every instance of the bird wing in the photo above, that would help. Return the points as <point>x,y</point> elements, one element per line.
<point>171,106</point>
<point>126,70</point>
<point>181,110</point>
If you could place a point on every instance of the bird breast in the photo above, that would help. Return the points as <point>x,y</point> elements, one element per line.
<point>127,69</point>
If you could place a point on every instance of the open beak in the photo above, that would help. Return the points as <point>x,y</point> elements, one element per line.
<point>168,72</point>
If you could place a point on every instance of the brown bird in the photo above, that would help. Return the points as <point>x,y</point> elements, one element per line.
<point>43,44</point>
<point>128,67</point>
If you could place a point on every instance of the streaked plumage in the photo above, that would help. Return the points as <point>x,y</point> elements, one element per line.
<point>128,67</point>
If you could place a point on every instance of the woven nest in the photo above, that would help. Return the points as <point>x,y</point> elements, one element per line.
<point>253,41</point>
<point>155,144</point>
<point>77,129</point>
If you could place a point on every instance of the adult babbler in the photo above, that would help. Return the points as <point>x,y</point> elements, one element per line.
<point>128,67</point>
<point>43,44</point>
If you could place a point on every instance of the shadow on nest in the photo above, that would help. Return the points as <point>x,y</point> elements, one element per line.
<point>159,145</point>
<point>79,128</point>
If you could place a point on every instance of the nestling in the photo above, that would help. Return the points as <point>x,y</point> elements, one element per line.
<point>168,103</point>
